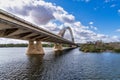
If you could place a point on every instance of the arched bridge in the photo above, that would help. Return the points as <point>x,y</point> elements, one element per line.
<point>17,28</point>
<point>62,32</point>
<point>58,46</point>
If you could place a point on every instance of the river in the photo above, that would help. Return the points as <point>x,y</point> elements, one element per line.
<point>65,65</point>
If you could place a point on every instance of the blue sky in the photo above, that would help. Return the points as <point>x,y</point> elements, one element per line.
<point>103,13</point>
<point>90,20</point>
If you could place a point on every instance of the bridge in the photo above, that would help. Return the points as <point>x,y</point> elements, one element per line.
<point>14,27</point>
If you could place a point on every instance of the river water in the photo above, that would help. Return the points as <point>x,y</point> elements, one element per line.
<point>66,65</point>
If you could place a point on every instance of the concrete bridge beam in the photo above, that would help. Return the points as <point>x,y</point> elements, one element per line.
<point>14,27</point>
<point>35,48</point>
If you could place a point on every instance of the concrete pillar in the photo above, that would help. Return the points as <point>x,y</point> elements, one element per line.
<point>72,46</point>
<point>31,47</point>
<point>35,48</point>
<point>58,47</point>
<point>39,47</point>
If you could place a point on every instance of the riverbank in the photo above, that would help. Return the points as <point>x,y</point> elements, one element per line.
<point>99,46</point>
<point>25,45</point>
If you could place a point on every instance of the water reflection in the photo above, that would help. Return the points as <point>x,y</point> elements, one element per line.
<point>42,67</point>
<point>35,59</point>
<point>70,64</point>
<point>63,52</point>
<point>34,67</point>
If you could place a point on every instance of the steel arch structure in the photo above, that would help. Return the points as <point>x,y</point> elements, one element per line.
<point>62,32</point>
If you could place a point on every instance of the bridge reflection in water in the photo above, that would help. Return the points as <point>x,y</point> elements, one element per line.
<point>31,66</point>
<point>65,65</point>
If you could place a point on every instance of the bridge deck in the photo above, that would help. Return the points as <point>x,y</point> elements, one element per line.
<point>14,27</point>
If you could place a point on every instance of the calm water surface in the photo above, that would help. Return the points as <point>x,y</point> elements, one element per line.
<point>65,65</point>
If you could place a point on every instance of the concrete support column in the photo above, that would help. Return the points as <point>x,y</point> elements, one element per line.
<point>35,48</point>
<point>31,47</point>
<point>39,47</point>
<point>58,47</point>
<point>72,46</point>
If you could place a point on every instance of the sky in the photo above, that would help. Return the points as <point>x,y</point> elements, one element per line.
<point>90,20</point>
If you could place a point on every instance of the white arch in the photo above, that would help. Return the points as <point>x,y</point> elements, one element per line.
<point>62,32</point>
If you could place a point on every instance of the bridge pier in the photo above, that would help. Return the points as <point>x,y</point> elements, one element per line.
<point>72,46</point>
<point>35,48</point>
<point>58,47</point>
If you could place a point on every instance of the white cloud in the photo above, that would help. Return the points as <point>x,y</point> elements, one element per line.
<point>52,27</point>
<point>106,1</point>
<point>83,34</point>
<point>40,11</point>
<point>15,41</point>
<point>63,17</point>
<point>52,18</point>
<point>94,28</point>
<point>113,5</point>
<point>118,10</point>
<point>82,0</point>
<point>91,23</point>
<point>118,30</point>
<point>87,0</point>
<point>113,39</point>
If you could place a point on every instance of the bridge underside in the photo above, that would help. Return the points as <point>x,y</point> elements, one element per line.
<point>16,28</point>
<point>11,30</point>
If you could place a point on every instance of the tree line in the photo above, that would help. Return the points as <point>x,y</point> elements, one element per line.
<point>25,45</point>
<point>99,46</point>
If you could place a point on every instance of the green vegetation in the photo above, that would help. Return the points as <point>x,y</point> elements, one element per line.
<point>13,45</point>
<point>25,45</point>
<point>99,46</point>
